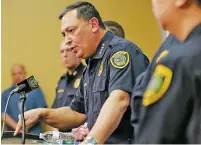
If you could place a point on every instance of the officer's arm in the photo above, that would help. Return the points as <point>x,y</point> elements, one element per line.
<point>61,118</point>
<point>9,121</point>
<point>110,115</point>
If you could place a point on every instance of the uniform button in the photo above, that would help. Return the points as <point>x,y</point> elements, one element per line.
<point>85,84</point>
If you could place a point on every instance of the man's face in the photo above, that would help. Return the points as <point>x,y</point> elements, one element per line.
<point>163,10</point>
<point>18,74</point>
<point>78,34</point>
<point>68,58</point>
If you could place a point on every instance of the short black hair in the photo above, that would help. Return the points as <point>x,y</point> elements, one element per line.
<point>115,27</point>
<point>85,10</point>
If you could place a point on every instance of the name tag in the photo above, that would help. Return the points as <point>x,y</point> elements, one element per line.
<point>60,91</point>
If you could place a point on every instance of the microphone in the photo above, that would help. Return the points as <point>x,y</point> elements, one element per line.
<point>26,85</point>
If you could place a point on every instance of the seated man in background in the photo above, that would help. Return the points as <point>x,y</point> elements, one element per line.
<point>35,99</point>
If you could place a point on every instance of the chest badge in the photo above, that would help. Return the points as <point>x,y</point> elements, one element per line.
<point>120,59</point>
<point>158,85</point>
<point>100,69</point>
<point>76,83</point>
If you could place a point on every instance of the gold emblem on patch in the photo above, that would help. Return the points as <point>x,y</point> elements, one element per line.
<point>120,59</point>
<point>76,83</point>
<point>158,85</point>
<point>163,54</point>
<point>100,69</point>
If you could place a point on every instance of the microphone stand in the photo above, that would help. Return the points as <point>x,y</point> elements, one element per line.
<point>21,107</point>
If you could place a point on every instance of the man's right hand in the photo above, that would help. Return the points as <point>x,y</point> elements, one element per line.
<point>80,132</point>
<point>31,117</point>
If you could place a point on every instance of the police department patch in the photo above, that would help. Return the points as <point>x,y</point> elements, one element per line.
<point>158,85</point>
<point>120,59</point>
<point>76,83</point>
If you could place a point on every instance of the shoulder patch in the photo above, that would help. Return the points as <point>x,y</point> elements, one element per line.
<point>163,54</point>
<point>76,83</point>
<point>158,85</point>
<point>120,59</point>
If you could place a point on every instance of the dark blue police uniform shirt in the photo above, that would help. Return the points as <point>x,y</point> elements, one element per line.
<point>144,78</point>
<point>35,99</point>
<point>100,78</point>
<point>171,112</point>
<point>67,87</point>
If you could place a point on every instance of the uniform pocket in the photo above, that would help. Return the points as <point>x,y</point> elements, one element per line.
<point>100,94</point>
<point>99,84</point>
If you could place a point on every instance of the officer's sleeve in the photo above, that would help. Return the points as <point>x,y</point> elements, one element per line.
<point>77,104</point>
<point>125,65</point>
<point>54,104</point>
<point>168,104</point>
<point>136,100</point>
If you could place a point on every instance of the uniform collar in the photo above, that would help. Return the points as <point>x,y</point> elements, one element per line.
<point>195,32</point>
<point>78,70</point>
<point>102,46</point>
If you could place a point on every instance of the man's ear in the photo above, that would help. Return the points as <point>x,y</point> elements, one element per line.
<point>181,3</point>
<point>94,24</point>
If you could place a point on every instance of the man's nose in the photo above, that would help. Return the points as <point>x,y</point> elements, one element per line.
<point>68,40</point>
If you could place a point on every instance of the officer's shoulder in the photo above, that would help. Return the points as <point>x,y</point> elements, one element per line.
<point>7,91</point>
<point>35,92</point>
<point>63,77</point>
<point>119,43</point>
<point>184,56</point>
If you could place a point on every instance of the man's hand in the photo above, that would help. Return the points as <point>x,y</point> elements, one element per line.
<point>31,118</point>
<point>61,118</point>
<point>80,132</point>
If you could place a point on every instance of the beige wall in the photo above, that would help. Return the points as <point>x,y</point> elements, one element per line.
<point>31,35</point>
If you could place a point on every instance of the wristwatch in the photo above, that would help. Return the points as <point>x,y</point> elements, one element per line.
<point>90,141</point>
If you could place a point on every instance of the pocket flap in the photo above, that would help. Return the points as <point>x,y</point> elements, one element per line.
<point>99,84</point>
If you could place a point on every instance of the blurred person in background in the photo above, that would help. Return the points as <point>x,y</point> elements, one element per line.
<point>34,99</point>
<point>172,102</point>
<point>68,84</point>
<point>115,28</point>
<point>143,79</point>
